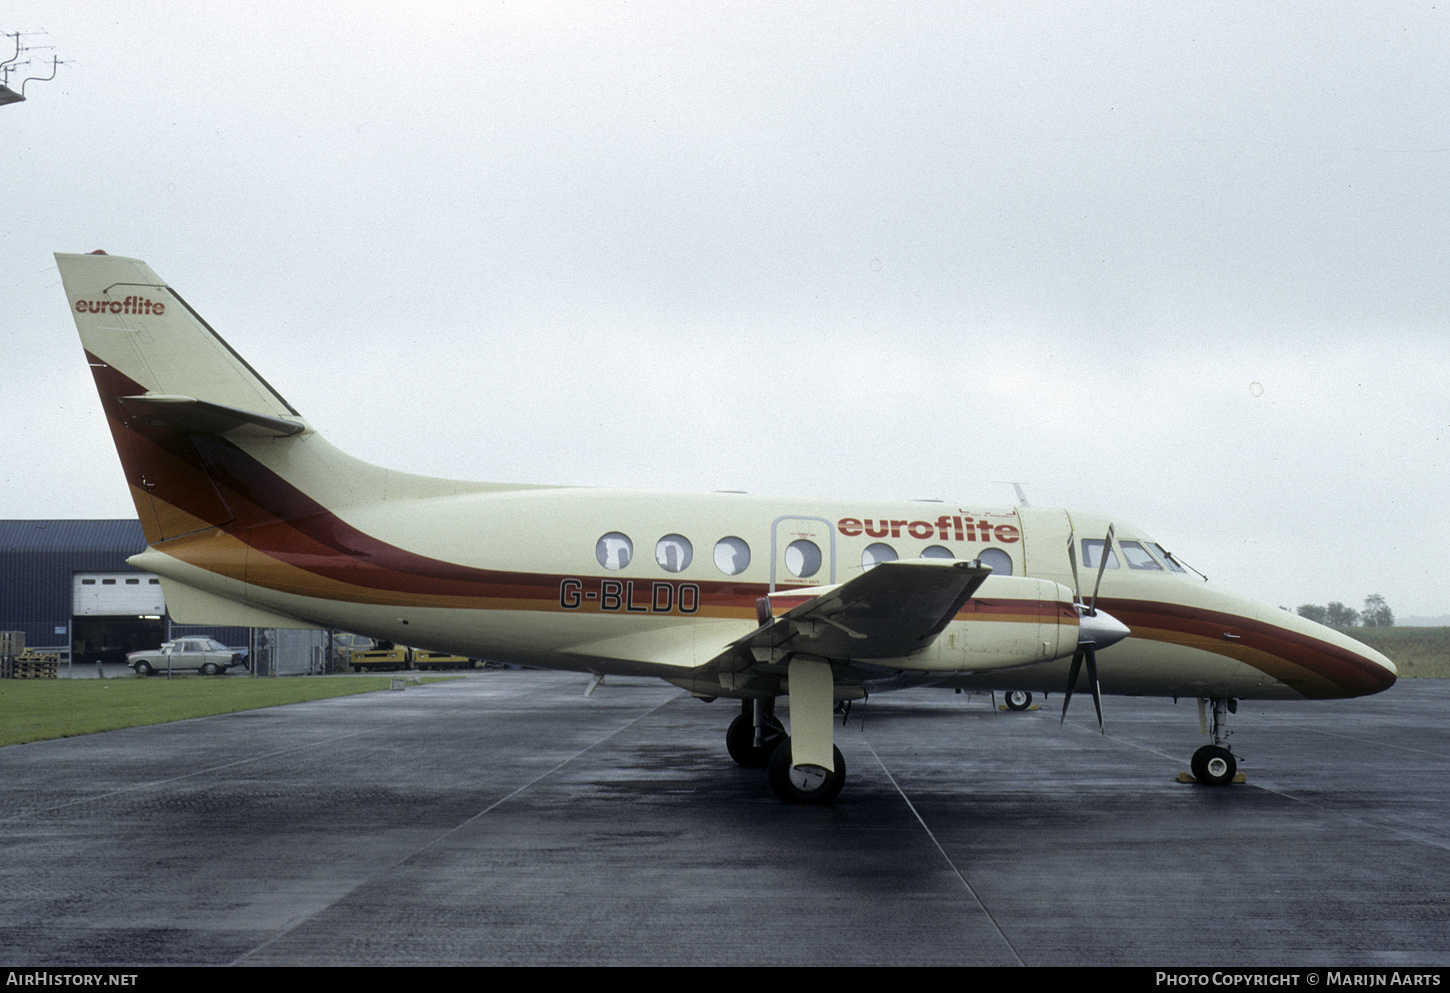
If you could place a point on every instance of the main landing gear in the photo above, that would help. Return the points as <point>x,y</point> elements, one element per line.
<point>757,740</point>
<point>805,783</point>
<point>1215,765</point>
<point>755,733</point>
<point>805,767</point>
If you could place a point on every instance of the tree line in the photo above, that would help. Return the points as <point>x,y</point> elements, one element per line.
<point>1376,613</point>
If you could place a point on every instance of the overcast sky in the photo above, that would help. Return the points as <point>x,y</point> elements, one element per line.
<point>1184,263</point>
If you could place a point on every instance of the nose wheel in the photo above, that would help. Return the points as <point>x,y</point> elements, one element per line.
<point>1214,766</point>
<point>1018,699</point>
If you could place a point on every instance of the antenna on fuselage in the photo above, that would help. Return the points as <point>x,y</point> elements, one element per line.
<point>1021,493</point>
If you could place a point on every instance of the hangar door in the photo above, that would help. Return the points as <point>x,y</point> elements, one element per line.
<point>113,613</point>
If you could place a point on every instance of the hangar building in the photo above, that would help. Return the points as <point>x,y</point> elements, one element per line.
<point>67,585</point>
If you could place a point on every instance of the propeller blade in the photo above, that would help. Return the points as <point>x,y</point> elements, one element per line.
<point>1102,564</point>
<point>1072,561</point>
<point>1085,653</point>
<point>1071,682</point>
<point>1092,671</point>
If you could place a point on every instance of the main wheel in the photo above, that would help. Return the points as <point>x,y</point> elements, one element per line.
<point>1018,699</point>
<point>740,741</point>
<point>1214,766</point>
<point>809,784</point>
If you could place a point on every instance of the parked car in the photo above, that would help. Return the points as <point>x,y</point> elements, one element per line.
<point>205,655</point>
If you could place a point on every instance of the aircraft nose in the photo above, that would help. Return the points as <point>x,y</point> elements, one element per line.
<point>1388,673</point>
<point>1322,662</point>
<point>1101,628</point>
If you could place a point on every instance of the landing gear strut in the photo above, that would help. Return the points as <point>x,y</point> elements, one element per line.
<point>754,734</point>
<point>1215,765</point>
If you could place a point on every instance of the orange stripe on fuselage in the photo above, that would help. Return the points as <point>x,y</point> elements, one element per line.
<point>1315,667</point>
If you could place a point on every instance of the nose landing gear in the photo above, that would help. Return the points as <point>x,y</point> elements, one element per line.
<point>1215,765</point>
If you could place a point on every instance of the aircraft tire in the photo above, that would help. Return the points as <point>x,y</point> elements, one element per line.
<point>740,741</point>
<point>1214,765</point>
<point>785,784</point>
<point>1018,699</point>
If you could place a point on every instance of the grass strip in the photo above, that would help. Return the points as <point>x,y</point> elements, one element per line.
<point>38,709</point>
<point>1422,653</point>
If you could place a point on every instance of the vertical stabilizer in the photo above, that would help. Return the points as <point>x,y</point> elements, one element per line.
<point>135,324</point>
<point>171,388</point>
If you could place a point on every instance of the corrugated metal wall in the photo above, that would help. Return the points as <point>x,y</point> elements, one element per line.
<point>38,560</point>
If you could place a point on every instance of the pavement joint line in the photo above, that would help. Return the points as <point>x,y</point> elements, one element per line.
<point>947,858</point>
<point>1421,839</point>
<point>152,784</point>
<point>1367,741</point>
<point>1125,741</point>
<point>1417,838</point>
<point>444,835</point>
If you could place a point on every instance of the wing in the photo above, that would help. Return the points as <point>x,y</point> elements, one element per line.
<point>893,610</point>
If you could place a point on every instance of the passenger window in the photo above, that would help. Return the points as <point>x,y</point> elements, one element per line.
<point>999,561</point>
<point>877,553</point>
<point>614,551</point>
<point>1092,550</point>
<point>803,558</point>
<point>1137,556</point>
<point>732,555</point>
<point>937,552</point>
<point>673,552</point>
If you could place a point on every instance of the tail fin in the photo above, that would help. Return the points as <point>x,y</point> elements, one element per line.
<point>167,382</point>
<point>135,324</point>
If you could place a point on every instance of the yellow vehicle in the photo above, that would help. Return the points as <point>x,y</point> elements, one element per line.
<point>389,658</point>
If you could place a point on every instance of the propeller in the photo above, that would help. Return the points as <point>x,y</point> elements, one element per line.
<point>1096,628</point>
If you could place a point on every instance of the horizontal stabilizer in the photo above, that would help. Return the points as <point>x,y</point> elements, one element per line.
<point>189,605</point>
<point>203,417</point>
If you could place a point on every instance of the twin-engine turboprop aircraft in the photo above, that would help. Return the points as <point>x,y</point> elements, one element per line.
<point>252,519</point>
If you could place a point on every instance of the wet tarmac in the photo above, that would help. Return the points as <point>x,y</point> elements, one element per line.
<point>505,819</point>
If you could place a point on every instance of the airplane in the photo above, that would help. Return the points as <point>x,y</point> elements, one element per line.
<point>252,519</point>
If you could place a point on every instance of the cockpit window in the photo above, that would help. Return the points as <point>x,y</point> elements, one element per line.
<point>1092,550</point>
<point>1137,556</point>
<point>1168,558</point>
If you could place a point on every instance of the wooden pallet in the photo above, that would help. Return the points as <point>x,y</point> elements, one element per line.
<point>36,665</point>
